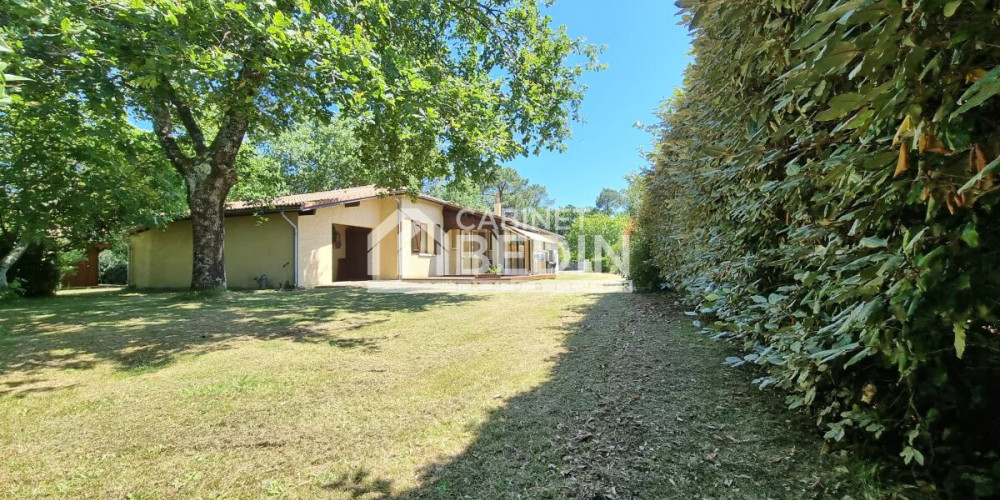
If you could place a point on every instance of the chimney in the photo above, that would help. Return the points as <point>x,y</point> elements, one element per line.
<point>497,207</point>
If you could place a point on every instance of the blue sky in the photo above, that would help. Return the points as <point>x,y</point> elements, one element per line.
<point>646,54</point>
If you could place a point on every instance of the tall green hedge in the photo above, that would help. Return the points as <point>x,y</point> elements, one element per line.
<point>824,188</point>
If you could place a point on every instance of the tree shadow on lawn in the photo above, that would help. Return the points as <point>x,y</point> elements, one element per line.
<point>639,406</point>
<point>141,332</point>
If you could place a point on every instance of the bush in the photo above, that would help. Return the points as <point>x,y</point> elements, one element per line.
<point>599,230</point>
<point>825,189</point>
<point>37,271</point>
<point>643,273</point>
<point>112,268</point>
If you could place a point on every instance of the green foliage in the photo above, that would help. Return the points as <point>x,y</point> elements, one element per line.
<point>319,157</point>
<point>67,171</point>
<point>67,259</point>
<point>462,191</point>
<point>71,173</point>
<point>611,201</point>
<point>433,88</point>
<point>565,218</point>
<point>36,273</point>
<point>261,178</point>
<point>112,267</point>
<point>642,268</point>
<point>598,231</point>
<point>13,291</point>
<point>517,194</point>
<point>7,81</point>
<point>634,193</point>
<point>825,189</point>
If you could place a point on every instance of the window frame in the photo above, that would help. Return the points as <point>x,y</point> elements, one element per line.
<point>420,238</point>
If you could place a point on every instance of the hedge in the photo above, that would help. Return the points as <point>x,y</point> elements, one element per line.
<point>824,191</point>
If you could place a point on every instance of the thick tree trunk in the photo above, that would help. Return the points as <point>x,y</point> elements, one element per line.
<point>8,260</point>
<point>211,172</point>
<point>207,200</point>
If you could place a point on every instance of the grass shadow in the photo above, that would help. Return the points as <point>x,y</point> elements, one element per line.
<point>639,406</point>
<point>143,332</point>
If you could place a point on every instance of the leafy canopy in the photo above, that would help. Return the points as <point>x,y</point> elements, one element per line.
<point>516,194</point>
<point>73,174</point>
<point>611,201</point>
<point>434,88</point>
<point>307,158</point>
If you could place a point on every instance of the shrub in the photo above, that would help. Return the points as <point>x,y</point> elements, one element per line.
<point>825,188</point>
<point>601,234</point>
<point>112,268</point>
<point>67,260</point>
<point>37,271</point>
<point>643,273</point>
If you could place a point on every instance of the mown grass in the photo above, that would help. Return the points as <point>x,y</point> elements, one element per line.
<point>255,394</point>
<point>340,393</point>
<point>581,276</point>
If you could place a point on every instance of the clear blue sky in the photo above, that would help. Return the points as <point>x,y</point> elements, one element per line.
<point>646,54</point>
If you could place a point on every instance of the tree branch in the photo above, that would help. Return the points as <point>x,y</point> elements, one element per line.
<point>186,116</point>
<point>236,119</point>
<point>488,18</point>
<point>164,129</point>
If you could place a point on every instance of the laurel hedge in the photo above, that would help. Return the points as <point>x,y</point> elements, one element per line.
<point>824,192</point>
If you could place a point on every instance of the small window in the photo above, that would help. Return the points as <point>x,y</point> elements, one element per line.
<point>419,238</point>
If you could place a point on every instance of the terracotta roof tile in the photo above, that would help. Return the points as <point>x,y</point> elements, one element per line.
<point>306,200</point>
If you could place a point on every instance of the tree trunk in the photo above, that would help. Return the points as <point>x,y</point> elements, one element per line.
<point>8,260</point>
<point>211,172</point>
<point>207,200</point>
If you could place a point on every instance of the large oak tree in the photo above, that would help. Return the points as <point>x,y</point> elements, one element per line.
<point>435,87</point>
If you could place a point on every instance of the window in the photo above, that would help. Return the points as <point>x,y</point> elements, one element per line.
<point>419,238</point>
<point>515,253</point>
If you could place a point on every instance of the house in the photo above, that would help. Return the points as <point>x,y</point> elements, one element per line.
<point>359,233</point>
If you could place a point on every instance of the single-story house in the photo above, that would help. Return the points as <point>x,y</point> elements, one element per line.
<point>359,233</point>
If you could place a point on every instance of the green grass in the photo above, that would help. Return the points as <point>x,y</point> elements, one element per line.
<point>577,276</point>
<point>339,393</point>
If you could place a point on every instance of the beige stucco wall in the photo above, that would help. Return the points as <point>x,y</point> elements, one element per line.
<point>385,237</point>
<point>162,258</point>
<point>427,264</point>
<point>317,255</point>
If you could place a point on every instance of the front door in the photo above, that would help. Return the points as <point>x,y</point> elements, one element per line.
<point>354,265</point>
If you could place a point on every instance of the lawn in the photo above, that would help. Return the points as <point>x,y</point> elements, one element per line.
<point>582,276</point>
<point>339,393</point>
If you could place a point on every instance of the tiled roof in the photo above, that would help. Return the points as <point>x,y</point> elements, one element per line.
<point>306,201</point>
<point>309,200</point>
